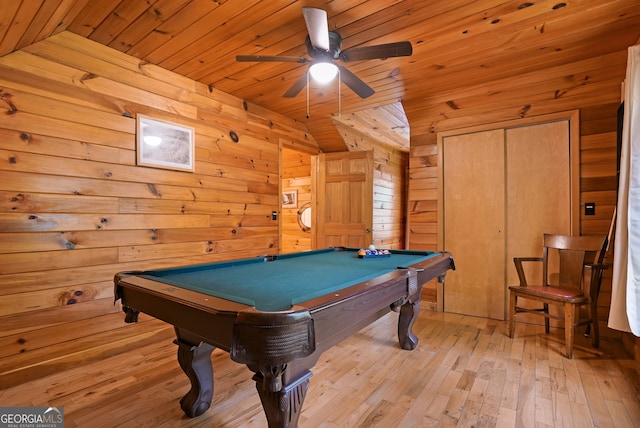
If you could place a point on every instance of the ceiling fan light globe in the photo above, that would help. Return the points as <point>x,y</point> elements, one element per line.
<point>323,72</point>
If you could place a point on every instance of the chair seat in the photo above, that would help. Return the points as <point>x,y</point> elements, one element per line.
<point>554,293</point>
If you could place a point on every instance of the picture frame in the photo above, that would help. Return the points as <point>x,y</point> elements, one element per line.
<point>162,144</point>
<point>290,199</point>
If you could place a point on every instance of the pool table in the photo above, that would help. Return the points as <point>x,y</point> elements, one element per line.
<point>277,314</point>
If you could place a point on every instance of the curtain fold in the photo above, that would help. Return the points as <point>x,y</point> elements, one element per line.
<point>625,294</point>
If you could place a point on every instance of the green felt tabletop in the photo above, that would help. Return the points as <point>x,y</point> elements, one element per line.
<point>289,280</point>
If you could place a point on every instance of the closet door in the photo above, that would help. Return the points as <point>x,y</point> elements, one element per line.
<point>538,193</point>
<point>474,222</point>
<point>502,190</point>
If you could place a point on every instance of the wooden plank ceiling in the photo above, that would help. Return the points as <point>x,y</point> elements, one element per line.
<point>456,43</point>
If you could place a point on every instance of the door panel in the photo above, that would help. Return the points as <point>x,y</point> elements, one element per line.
<point>538,194</point>
<point>474,208</point>
<point>538,188</point>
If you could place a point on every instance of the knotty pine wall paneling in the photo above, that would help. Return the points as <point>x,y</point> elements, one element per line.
<point>596,95</point>
<point>75,209</point>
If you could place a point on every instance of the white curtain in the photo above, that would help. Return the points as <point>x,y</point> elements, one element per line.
<point>625,296</point>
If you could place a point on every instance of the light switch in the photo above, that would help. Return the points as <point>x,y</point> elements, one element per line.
<point>590,208</point>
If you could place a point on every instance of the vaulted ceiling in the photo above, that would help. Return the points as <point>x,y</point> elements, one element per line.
<point>456,43</point>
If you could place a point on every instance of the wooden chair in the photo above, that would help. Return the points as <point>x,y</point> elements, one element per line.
<point>571,274</point>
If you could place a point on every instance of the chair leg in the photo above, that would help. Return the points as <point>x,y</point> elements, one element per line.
<point>512,313</point>
<point>546,318</point>
<point>569,321</point>
<point>595,334</point>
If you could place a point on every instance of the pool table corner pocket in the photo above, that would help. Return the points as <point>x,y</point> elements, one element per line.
<point>272,338</point>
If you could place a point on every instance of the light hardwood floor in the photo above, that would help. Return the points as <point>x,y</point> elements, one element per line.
<point>465,372</point>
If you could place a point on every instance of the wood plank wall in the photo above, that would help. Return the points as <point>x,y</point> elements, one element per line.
<point>592,87</point>
<point>75,209</point>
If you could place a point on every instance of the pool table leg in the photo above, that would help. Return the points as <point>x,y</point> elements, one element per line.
<point>195,361</point>
<point>408,315</point>
<point>282,408</point>
<point>409,312</point>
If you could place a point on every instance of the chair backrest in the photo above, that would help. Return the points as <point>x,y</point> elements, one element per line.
<point>565,256</point>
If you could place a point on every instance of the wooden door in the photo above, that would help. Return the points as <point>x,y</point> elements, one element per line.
<point>474,222</point>
<point>344,199</point>
<point>539,197</point>
<point>538,187</point>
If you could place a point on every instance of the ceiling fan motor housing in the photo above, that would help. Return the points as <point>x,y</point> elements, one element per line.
<point>335,46</point>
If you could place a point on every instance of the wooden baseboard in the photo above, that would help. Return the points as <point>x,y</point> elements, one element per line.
<point>632,345</point>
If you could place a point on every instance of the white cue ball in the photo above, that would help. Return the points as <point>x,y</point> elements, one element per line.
<point>372,247</point>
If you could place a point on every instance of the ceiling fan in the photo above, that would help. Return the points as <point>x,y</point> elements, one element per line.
<point>324,47</point>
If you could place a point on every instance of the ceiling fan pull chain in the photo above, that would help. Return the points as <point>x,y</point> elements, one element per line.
<point>308,113</point>
<point>339,95</point>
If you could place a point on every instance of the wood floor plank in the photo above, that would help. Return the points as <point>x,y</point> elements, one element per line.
<point>619,414</point>
<point>526,398</point>
<point>597,406</point>
<point>506,418</point>
<point>581,415</point>
<point>465,372</point>
<point>562,416</point>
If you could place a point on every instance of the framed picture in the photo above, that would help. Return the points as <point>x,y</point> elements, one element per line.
<point>290,199</point>
<point>163,144</point>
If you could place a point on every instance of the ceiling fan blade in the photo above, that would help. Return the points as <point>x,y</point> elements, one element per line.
<point>355,83</point>
<point>317,26</point>
<point>388,50</point>
<point>269,58</point>
<point>296,87</point>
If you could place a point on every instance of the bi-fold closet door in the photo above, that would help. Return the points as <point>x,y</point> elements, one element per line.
<point>502,189</point>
